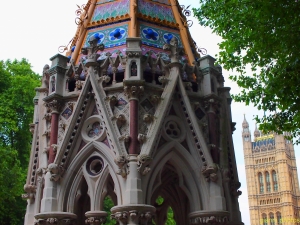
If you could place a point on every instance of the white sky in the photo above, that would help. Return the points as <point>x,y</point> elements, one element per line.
<point>34,29</point>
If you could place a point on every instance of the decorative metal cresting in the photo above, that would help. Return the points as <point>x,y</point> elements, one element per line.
<point>79,12</point>
<point>186,12</point>
<point>202,51</point>
<point>79,21</point>
<point>64,48</point>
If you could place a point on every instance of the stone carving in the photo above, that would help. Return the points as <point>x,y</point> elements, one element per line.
<point>54,147</point>
<point>142,138</point>
<point>163,79</point>
<point>143,162</point>
<point>148,118</point>
<point>92,50</point>
<point>176,52</point>
<point>95,220</point>
<point>112,101</point>
<point>234,189</point>
<point>104,79</point>
<point>122,163</point>
<point>207,220</point>
<point>134,91</point>
<point>226,175</point>
<point>31,127</point>
<point>56,171</point>
<point>121,120</point>
<point>55,106</point>
<point>132,217</point>
<point>155,99</point>
<point>30,192</point>
<point>210,173</point>
<point>45,78</point>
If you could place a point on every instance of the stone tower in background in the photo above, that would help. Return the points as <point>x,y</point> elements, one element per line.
<point>272,180</point>
<point>132,113</point>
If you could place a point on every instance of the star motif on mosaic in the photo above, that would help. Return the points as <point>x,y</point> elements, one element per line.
<point>117,34</point>
<point>150,34</point>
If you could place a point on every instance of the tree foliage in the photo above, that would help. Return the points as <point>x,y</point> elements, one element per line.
<point>261,44</point>
<point>17,83</point>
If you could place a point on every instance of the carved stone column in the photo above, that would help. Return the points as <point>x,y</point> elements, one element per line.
<point>133,214</point>
<point>55,106</point>
<point>211,106</point>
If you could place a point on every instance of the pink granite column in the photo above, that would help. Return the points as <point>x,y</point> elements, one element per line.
<point>54,105</point>
<point>134,146</point>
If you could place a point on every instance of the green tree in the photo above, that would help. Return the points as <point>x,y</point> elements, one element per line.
<point>261,44</point>
<point>17,83</point>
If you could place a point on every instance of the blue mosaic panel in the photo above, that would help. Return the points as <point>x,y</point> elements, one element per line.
<point>114,9</point>
<point>155,10</point>
<point>156,37</point>
<point>110,37</point>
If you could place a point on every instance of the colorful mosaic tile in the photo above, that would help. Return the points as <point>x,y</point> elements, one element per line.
<point>113,9</point>
<point>67,113</point>
<point>156,37</point>
<point>121,104</point>
<point>112,37</point>
<point>160,11</point>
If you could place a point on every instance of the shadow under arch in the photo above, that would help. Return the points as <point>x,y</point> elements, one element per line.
<point>187,171</point>
<point>72,176</point>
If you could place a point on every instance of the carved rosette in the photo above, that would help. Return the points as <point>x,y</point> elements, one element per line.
<point>122,162</point>
<point>209,218</point>
<point>55,106</point>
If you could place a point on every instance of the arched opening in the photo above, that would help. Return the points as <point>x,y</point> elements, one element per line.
<point>172,204</point>
<point>264,219</point>
<point>278,218</point>
<point>272,220</point>
<point>268,181</point>
<point>274,177</point>
<point>261,183</point>
<point>82,202</point>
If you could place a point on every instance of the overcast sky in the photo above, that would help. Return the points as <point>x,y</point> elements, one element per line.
<point>34,29</point>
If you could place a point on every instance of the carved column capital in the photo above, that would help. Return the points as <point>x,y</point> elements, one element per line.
<point>95,217</point>
<point>134,89</point>
<point>122,162</point>
<point>55,106</point>
<point>55,218</point>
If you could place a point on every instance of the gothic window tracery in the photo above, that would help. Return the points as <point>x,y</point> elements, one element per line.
<point>264,219</point>
<point>274,177</point>
<point>268,184</point>
<point>278,218</point>
<point>272,220</point>
<point>261,183</point>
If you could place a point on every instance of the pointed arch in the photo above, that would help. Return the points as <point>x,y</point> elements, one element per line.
<point>261,183</point>
<point>186,167</point>
<point>74,173</point>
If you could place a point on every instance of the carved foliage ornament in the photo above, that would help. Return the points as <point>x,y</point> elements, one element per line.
<point>143,163</point>
<point>122,162</point>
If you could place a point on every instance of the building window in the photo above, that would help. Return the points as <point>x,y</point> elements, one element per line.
<point>268,182</point>
<point>272,220</point>
<point>264,219</point>
<point>274,177</point>
<point>261,183</point>
<point>278,218</point>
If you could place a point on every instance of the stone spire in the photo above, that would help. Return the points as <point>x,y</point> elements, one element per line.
<point>256,131</point>
<point>245,133</point>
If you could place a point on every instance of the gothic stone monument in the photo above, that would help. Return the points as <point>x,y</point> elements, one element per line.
<point>134,113</point>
